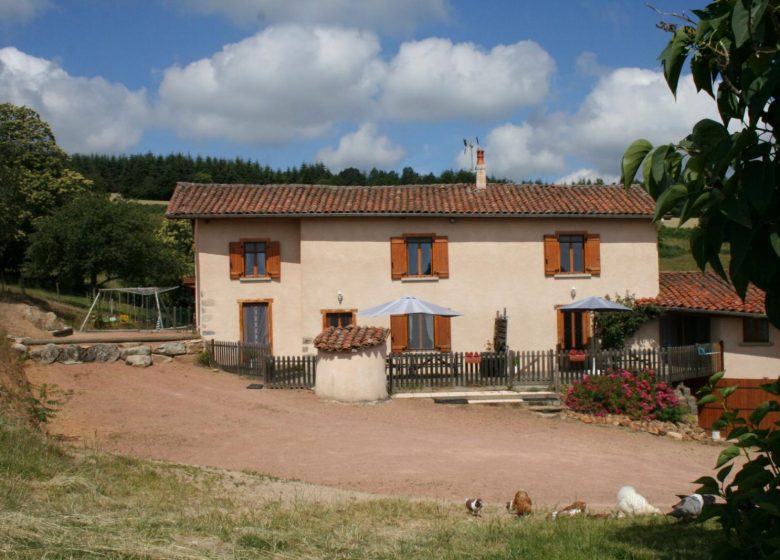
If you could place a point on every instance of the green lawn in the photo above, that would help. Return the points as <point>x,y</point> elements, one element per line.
<point>674,250</point>
<point>58,504</point>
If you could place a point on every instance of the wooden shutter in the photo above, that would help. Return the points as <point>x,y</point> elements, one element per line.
<point>398,265</point>
<point>399,338</point>
<point>552,255</point>
<point>593,254</point>
<point>561,341</point>
<point>441,260</point>
<point>236,250</point>
<point>273,260</point>
<point>442,338</point>
<point>586,328</point>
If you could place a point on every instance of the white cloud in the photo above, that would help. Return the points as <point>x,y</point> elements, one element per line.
<point>511,152</point>
<point>588,64</point>
<point>582,175</point>
<point>22,10</point>
<point>396,16</point>
<point>281,84</point>
<point>363,149</point>
<point>86,114</point>
<point>625,104</point>
<point>434,79</point>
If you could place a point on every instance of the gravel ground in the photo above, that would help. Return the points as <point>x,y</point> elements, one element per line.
<point>180,412</point>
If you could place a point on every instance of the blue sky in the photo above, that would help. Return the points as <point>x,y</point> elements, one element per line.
<point>554,90</point>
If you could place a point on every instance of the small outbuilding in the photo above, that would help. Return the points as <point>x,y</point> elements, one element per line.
<point>351,363</point>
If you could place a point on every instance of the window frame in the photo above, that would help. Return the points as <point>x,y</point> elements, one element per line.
<point>244,243</point>
<point>758,333</point>
<point>591,254</point>
<point>439,256</point>
<point>270,303</point>
<point>420,240</point>
<point>583,237</point>
<point>420,320</point>
<point>272,264</point>
<point>326,312</point>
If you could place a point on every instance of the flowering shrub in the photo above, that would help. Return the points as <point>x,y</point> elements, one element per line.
<point>635,394</point>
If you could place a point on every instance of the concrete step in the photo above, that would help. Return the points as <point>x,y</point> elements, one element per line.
<point>546,408</point>
<point>480,400</point>
<point>447,394</point>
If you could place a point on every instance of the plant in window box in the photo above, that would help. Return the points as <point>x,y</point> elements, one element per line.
<point>473,357</point>
<point>577,355</point>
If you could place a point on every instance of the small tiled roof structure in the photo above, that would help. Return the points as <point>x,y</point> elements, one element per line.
<point>706,292</point>
<point>192,200</point>
<point>350,338</point>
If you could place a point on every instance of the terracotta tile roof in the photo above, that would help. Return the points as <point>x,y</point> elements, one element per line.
<point>704,291</point>
<point>201,200</point>
<point>353,337</point>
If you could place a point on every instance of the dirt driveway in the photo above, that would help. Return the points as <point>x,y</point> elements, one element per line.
<point>183,413</point>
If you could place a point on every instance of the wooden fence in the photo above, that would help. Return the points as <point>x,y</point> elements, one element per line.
<point>418,370</point>
<point>745,399</point>
<point>278,372</point>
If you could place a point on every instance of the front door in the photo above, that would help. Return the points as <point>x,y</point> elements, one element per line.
<point>256,323</point>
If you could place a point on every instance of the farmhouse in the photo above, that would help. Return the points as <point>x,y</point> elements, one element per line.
<point>276,264</point>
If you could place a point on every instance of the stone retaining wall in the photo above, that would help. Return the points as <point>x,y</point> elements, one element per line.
<point>132,353</point>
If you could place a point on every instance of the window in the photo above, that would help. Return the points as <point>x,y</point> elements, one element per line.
<point>419,331</point>
<point>572,253</point>
<point>572,249</point>
<point>255,258</point>
<point>573,330</point>
<point>419,256</point>
<point>338,317</point>
<point>755,329</point>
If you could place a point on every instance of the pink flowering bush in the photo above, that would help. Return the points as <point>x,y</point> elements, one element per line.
<point>634,394</point>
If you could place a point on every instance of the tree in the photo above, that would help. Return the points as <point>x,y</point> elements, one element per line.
<point>725,173</point>
<point>34,178</point>
<point>91,241</point>
<point>615,328</point>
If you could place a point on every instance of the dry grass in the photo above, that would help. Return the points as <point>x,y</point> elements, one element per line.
<point>86,504</point>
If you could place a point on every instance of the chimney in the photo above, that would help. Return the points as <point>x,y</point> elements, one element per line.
<point>481,174</point>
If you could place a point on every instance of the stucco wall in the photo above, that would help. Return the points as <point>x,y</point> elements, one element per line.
<point>352,377</point>
<point>219,296</point>
<point>494,264</point>
<point>746,360</point>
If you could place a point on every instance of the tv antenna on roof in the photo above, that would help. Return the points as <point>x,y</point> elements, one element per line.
<point>469,145</point>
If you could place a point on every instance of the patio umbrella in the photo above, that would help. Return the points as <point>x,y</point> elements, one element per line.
<point>592,304</point>
<point>407,305</point>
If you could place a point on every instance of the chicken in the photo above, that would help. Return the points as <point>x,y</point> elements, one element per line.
<point>631,503</point>
<point>575,508</point>
<point>521,504</point>
<point>690,507</point>
<point>474,506</point>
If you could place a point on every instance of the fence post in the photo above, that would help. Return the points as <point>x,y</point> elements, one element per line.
<point>390,387</point>
<point>212,357</point>
<point>554,371</point>
<point>510,368</point>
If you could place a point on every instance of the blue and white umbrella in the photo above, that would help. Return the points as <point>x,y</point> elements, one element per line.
<point>407,305</point>
<point>594,303</point>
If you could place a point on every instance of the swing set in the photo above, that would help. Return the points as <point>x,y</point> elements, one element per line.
<point>135,309</point>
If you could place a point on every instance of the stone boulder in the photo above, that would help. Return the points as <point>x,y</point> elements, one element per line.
<point>194,346</point>
<point>69,354</point>
<point>101,352</point>
<point>177,348</point>
<point>140,350</point>
<point>139,360</point>
<point>20,350</point>
<point>43,320</point>
<point>46,354</point>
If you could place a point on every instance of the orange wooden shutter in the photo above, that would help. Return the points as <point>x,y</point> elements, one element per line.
<point>585,328</point>
<point>236,250</point>
<point>561,318</point>
<point>273,260</point>
<point>441,260</point>
<point>398,266</point>
<point>593,254</point>
<point>442,333</point>
<point>552,255</point>
<point>399,325</point>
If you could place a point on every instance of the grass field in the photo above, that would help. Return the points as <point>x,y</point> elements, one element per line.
<point>674,250</point>
<point>86,504</point>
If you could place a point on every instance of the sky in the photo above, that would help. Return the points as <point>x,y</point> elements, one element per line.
<point>553,90</point>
